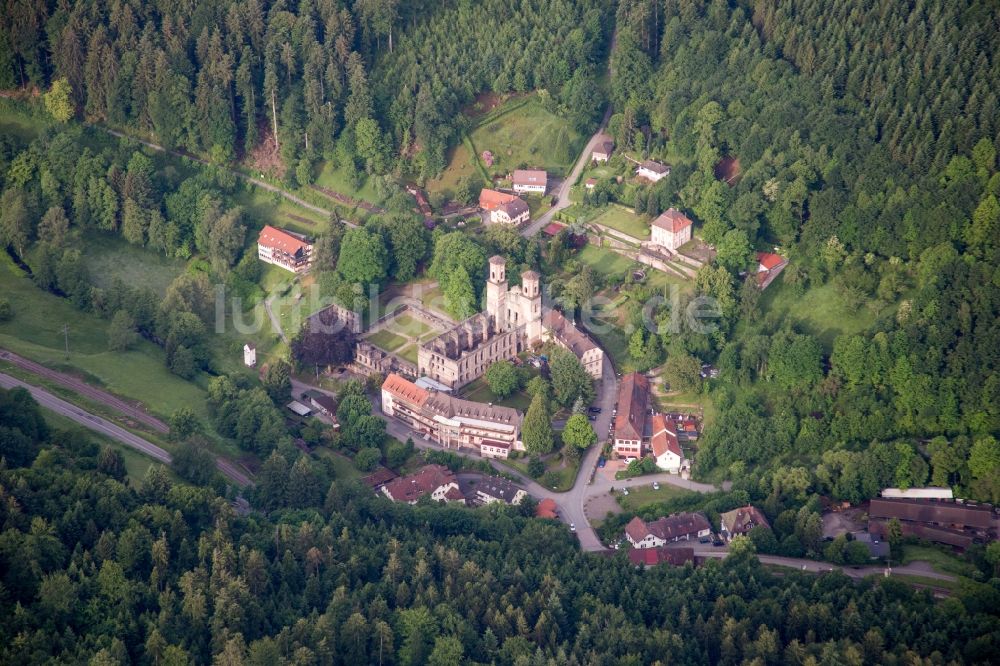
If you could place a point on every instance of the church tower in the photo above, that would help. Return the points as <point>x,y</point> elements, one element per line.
<point>496,293</point>
<point>532,306</point>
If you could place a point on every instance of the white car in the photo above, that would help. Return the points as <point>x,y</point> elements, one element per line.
<point>656,485</point>
<point>624,491</point>
<point>630,460</point>
<point>572,527</point>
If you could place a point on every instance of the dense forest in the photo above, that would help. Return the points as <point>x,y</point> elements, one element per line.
<point>867,153</point>
<point>95,568</point>
<point>359,83</point>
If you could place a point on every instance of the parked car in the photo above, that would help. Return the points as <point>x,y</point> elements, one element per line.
<point>704,540</point>
<point>601,462</point>
<point>572,527</point>
<point>624,491</point>
<point>656,485</point>
<point>630,459</point>
<point>594,410</point>
<point>718,543</point>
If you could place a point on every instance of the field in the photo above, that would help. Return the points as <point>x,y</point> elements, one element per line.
<point>109,257</point>
<point>820,310</point>
<point>338,181</point>
<point>387,340</point>
<point>518,134</point>
<point>460,166</point>
<point>270,208</point>
<point>624,221</point>
<point>407,325</point>
<point>642,496</point>
<point>942,561</point>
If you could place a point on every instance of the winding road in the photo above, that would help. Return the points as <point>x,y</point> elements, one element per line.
<point>109,429</point>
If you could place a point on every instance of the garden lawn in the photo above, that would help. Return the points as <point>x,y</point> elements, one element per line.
<point>409,353</point>
<point>387,340</point>
<point>625,221</point>
<point>479,391</point>
<point>642,496</point>
<point>461,165</point>
<point>605,262</point>
<point>110,257</point>
<point>408,325</point>
<point>265,207</point>
<point>528,135</point>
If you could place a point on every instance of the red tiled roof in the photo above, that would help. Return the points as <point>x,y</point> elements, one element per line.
<point>553,228</point>
<point>280,240</point>
<point>636,529</point>
<point>491,199</point>
<point>664,437</point>
<point>633,398</point>
<point>672,220</point>
<point>652,556</point>
<point>530,177</point>
<point>769,261</point>
<point>405,389</point>
<point>590,182</point>
<point>425,481</point>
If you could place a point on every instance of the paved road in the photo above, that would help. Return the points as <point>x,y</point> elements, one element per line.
<point>109,429</point>
<point>562,193</point>
<point>134,411</point>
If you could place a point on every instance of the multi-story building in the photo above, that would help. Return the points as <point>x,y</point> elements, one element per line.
<point>566,334</point>
<point>671,229</point>
<point>286,249</point>
<point>435,480</point>
<point>677,527</point>
<point>513,212</point>
<point>653,171</point>
<point>512,322</point>
<point>633,402</point>
<point>453,422</point>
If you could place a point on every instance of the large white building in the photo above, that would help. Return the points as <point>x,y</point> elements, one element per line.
<point>530,181</point>
<point>671,229</point>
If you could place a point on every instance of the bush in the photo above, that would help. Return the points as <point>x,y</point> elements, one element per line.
<point>6,310</point>
<point>550,479</point>
<point>536,468</point>
<point>367,459</point>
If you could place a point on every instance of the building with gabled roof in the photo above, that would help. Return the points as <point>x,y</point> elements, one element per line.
<point>666,448</point>
<point>769,266</point>
<point>671,229</point>
<point>286,249</point>
<point>450,421</point>
<point>741,520</point>
<point>676,527</point>
<point>650,557</point>
<point>533,181</point>
<point>652,170</point>
<point>512,212</point>
<point>633,403</point>
<point>568,336</point>
<point>603,149</point>
<point>491,489</point>
<point>437,481</point>
<point>490,200</point>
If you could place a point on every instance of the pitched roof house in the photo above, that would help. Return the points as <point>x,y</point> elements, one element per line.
<point>671,229</point>
<point>435,480</point>
<point>666,449</point>
<point>769,265</point>
<point>530,180</point>
<point>741,520</point>
<point>652,170</point>
<point>491,489</point>
<point>664,530</point>
<point>602,151</point>
<point>569,336</point>
<point>633,402</point>
<point>490,200</point>
<point>286,249</point>
<point>511,212</point>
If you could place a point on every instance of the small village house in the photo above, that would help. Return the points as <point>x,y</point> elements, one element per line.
<point>513,212</point>
<point>666,448</point>
<point>602,151</point>
<point>249,355</point>
<point>652,171</point>
<point>529,181</point>
<point>677,527</point>
<point>740,521</point>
